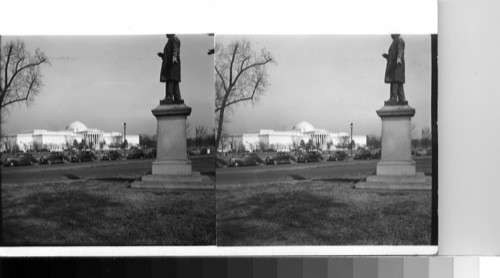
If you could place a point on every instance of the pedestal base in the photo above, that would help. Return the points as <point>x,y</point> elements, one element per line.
<point>193,181</point>
<point>396,168</point>
<point>411,182</point>
<point>171,167</point>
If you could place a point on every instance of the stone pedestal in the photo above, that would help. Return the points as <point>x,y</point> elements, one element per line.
<point>172,168</point>
<point>396,141</point>
<point>396,169</point>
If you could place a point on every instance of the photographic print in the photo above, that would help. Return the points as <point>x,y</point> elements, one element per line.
<point>326,139</point>
<point>107,140</point>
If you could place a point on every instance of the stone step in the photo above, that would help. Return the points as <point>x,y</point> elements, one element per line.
<point>417,178</point>
<point>152,185</point>
<point>194,177</point>
<point>417,182</point>
<point>393,186</point>
<point>195,181</point>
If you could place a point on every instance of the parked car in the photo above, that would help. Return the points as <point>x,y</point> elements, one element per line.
<point>111,155</point>
<point>246,160</point>
<point>317,154</point>
<point>281,157</point>
<point>20,160</point>
<point>83,156</point>
<point>221,163</point>
<point>151,153</point>
<point>136,154</point>
<point>363,154</point>
<point>421,152</point>
<point>309,157</point>
<point>194,151</point>
<point>53,158</point>
<point>338,156</point>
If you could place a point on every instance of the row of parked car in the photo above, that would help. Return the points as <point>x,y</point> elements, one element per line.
<point>366,154</point>
<point>24,159</point>
<point>285,157</point>
<point>281,158</point>
<point>197,151</point>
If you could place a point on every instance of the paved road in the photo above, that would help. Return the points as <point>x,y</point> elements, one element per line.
<point>131,169</point>
<point>122,169</point>
<point>324,170</point>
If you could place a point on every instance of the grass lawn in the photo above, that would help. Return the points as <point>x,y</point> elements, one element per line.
<point>321,213</point>
<point>105,212</point>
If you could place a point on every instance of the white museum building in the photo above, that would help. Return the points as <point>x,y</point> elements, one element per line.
<point>286,140</point>
<point>59,140</point>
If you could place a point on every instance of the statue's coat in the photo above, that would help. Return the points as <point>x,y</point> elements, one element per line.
<point>395,73</point>
<point>171,71</point>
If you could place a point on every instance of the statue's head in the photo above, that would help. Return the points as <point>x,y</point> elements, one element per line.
<point>395,36</point>
<point>170,36</point>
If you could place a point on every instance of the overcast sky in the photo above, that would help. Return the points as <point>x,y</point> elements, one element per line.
<point>104,81</point>
<point>326,80</point>
<point>333,80</point>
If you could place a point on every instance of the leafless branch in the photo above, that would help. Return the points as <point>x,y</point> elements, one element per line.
<point>22,78</point>
<point>241,77</point>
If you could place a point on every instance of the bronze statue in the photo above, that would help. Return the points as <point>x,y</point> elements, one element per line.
<point>171,70</point>
<point>395,70</point>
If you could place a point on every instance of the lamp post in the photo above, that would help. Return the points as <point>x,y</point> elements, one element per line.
<point>124,139</point>
<point>350,143</point>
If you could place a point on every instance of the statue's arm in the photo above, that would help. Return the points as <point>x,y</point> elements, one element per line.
<point>176,48</point>
<point>401,51</point>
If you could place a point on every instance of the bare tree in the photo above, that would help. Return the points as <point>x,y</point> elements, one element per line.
<point>241,76</point>
<point>82,145</point>
<point>15,148</point>
<point>329,145</point>
<point>200,133</point>
<point>263,146</point>
<point>343,141</point>
<point>37,146</point>
<point>413,130</point>
<point>295,144</point>
<point>116,141</point>
<point>68,142</point>
<point>102,143</point>
<point>2,122</point>
<point>373,142</point>
<point>75,144</point>
<point>20,76</point>
<point>426,137</point>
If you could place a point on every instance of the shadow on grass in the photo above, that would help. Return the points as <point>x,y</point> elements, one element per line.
<point>321,213</point>
<point>340,179</point>
<point>128,180</point>
<point>106,213</point>
<point>55,213</point>
<point>297,177</point>
<point>71,176</point>
<point>272,215</point>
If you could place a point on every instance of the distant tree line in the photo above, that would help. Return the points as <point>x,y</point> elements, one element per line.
<point>424,141</point>
<point>202,138</point>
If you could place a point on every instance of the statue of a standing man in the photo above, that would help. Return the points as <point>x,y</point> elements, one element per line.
<point>395,70</point>
<point>171,70</point>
